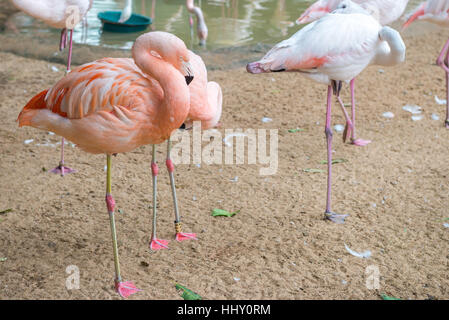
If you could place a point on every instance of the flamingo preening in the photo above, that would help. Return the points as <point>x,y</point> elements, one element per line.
<point>64,15</point>
<point>437,12</point>
<point>201,27</point>
<point>116,105</point>
<point>386,11</point>
<point>333,49</point>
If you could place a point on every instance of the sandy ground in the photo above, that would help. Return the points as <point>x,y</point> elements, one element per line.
<point>279,246</point>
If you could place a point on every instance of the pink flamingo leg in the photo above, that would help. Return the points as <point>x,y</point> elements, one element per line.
<point>354,141</point>
<point>349,125</point>
<point>443,62</point>
<point>61,169</point>
<point>155,243</point>
<point>123,288</point>
<point>180,236</point>
<point>337,218</point>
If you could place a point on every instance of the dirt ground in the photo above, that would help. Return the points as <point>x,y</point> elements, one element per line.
<point>278,246</point>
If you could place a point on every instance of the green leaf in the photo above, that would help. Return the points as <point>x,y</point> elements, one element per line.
<point>5,211</point>
<point>187,294</point>
<point>335,161</point>
<point>313,170</point>
<point>3,259</point>
<point>223,213</point>
<point>385,297</point>
<point>296,130</point>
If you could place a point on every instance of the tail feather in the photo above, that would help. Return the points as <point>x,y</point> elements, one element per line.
<point>415,15</point>
<point>37,102</point>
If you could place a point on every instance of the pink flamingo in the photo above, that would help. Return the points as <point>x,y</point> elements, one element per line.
<point>333,49</point>
<point>116,105</point>
<point>64,15</point>
<point>387,11</point>
<point>201,27</point>
<point>435,11</point>
<point>205,106</point>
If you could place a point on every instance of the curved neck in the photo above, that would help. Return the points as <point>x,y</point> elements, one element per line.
<point>129,4</point>
<point>176,101</point>
<point>196,11</point>
<point>394,52</point>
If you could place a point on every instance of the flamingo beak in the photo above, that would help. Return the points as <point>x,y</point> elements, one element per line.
<point>188,73</point>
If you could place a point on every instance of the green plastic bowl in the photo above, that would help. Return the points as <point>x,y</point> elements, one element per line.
<point>136,23</point>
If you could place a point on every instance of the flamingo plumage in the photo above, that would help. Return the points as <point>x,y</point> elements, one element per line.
<point>332,50</point>
<point>437,12</point>
<point>385,11</point>
<point>64,15</point>
<point>116,105</point>
<point>388,10</point>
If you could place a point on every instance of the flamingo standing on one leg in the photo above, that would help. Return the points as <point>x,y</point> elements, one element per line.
<point>436,11</point>
<point>116,105</point>
<point>333,49</point>
<point>387,11</point>
<point>201,27</point>
<point>64,15</point>
<point>205,106</point>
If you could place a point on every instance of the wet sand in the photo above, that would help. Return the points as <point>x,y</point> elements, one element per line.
<point>278,246</point>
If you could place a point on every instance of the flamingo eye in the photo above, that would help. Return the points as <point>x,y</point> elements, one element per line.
<point>155,54</point>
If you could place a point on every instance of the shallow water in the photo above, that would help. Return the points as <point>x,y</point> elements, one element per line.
<point>230,22</point>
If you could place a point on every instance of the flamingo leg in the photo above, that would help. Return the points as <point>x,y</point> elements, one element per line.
<point>443,62</point>
<point>337,218</point>
<point>123,288</point>
<point>155,243</point>
<point>61,169</point>
<point>354,140</point>
<point>349,125</point>
<point>180,236</point>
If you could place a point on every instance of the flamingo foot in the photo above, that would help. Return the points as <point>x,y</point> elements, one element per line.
<point>336,218</point>
<point>182,236</point>
<point>125,288</point>
<point>62,170</point>
<point>158,244</point>
<point>360,142</point>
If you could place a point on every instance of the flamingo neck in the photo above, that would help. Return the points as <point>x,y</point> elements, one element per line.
<point>201,23</point>
<point>175,106</point>
<point>393,51</point>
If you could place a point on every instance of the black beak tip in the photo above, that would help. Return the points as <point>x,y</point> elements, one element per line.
<point>183,126</point>
<point>189,79</point>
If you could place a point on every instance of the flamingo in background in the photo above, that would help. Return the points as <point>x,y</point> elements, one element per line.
<point>435,11</point>
<point>333,49</point>
<point>386,11</point>
<point>116,105</point>
<point>64,15</point>
<point>201,27</point>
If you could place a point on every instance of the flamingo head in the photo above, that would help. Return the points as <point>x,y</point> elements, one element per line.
<point>167,47</point>
<point>348,7</point>
<point>202,34</point>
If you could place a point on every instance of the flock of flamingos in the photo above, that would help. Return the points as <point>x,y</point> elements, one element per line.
<point>117,105</point>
